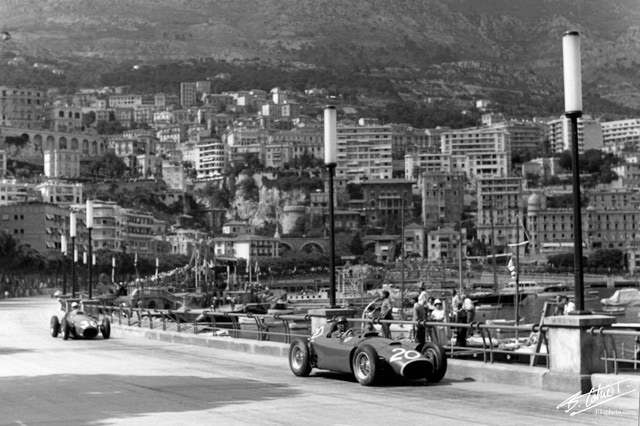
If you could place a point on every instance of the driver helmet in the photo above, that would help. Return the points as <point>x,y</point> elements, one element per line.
<point>342,320</point>
<point>74,305</point>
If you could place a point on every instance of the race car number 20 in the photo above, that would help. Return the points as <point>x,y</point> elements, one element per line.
<point>400,353</point>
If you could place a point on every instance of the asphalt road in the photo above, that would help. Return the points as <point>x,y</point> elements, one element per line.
<point>133,381</point>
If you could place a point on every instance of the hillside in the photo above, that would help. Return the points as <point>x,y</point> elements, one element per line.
<point>433,47</point>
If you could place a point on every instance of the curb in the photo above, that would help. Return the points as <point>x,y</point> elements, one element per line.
<point>226,343</point>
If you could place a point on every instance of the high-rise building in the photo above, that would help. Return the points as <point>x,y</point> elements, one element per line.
<point>188,94</point>
<point>590,135</point>
<point>364,151</point>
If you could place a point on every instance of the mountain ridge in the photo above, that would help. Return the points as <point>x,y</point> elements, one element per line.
<point>520,35</point>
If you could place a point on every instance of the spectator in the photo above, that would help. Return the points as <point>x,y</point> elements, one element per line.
<point>569,306</point>
<point>386,313</point>
<point>456,303</point>
<point>438,311</point>
<point>419,314</point>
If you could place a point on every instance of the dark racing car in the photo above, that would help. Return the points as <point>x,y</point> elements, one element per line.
<point>77,324</point>
<point>366,355</point>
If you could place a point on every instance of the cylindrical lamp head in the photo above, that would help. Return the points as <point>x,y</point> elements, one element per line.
<point>93,259</point>
<point>89,213</point>
<point>572,72</point>
<point>75,255</point>
<point>72,224</point>
<point>84,258</point>
<point>63,244</point>
<point>330,135</point>
<point>113,261</point>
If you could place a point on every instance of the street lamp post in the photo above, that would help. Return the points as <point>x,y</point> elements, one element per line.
<point>72,234</point>
<point>331,161</point>
<point>573,110</point>
<point>89,228</point>
<point>63,250</point>
<point>113,269</point>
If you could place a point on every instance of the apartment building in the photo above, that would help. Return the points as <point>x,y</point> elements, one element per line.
<point>442,198</point>
<point>243,139</point>
<point>38,225</point>
<point>385,201</point>
<point>61,118</point>
<point>621,135</point>
<point>188,94</point>
<point>558,132</point>
<point>478,152</point>
<point>211,155</point>
<point>61,193</point>
<point>22,107</point>
<point>364,151</point>
<point>124,101</point>
<point>608,223</point>
<point>62,163</point>
<point>500,210</point>
<point>14,192</point>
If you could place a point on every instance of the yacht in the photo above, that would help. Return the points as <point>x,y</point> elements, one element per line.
<point>524,287</point>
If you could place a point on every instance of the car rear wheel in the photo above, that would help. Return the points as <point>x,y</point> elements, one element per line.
<point>66,329</point>
<point>299,358</point>
<point>436,354</point>
<point>105,328</point>
<point>55,326</point>
<point>366,365</point>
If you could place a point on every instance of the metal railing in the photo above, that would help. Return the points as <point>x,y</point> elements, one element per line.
<point>487,342</point>
<point>615,343</point>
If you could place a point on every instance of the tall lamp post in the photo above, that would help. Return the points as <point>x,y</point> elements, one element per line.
<point>72,234</point>
<point>89,228</point>
<point>113,269</point>
<point>573,110</point>
<point>63,250</point>
<point>331,160</point>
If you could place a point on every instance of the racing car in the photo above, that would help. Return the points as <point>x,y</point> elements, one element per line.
<point>77,324</point>
<point>366,355</point>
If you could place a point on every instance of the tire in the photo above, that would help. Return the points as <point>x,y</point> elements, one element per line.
<point>436,354</point>
<point>105,328</point>
<point>299,358</point>
<point>66,329</point>
<point>55,326</point>
<point>366,365</point>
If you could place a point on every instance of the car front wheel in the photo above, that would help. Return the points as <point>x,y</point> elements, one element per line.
<point>299,358</point>
<point>366,365</point>
<point>55,326</point>
<point>436,354</point>
<point>105,328</point>
<point>66,329</point>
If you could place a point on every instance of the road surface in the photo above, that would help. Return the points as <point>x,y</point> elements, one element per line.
<point>133,381</point>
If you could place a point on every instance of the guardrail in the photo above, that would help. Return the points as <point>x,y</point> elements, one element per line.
<point>615,344</point>
<point>487,342</point>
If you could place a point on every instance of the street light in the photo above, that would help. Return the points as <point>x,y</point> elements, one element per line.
<point>72,234</point>
<point>89,228</point>
<point>63,250</point>
<point>573,110</point>
<point>331,160</point>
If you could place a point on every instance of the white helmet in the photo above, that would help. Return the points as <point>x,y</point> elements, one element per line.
<point>74,305</point>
